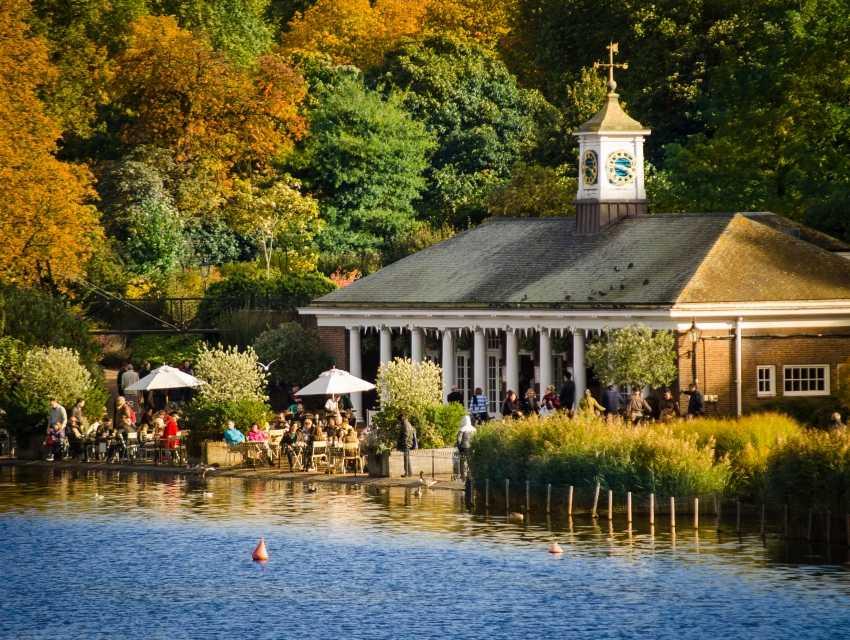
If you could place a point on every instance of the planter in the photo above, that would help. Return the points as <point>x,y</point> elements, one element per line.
<point>441,462</point>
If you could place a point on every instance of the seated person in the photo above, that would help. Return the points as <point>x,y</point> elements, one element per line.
<point>255,434</point>
<point>232,435</point>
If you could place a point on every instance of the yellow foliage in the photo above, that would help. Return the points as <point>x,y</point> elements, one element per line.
<point>485,21</point>
<point>355,32</point>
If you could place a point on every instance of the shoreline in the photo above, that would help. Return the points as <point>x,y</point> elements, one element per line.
<point>264,473</point>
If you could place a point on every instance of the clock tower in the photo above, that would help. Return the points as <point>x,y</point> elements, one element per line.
<point>611,176</point>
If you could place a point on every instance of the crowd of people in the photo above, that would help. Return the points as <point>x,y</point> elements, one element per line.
<point>110,439</point>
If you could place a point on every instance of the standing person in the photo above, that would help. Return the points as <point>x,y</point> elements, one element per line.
<point>638,408</point>
<point>464,445</point>
<point>510,407</point>
<point>332,404</point>
<point>58,416</point>
<point>589,404</point>
<point>668,409</point>
<point>118,379</point>
<point>530,405</point>
<point>835,421</point>
<point>567,396</point>
<point>455,395</point>
<point>406,442</point>
<point>611,401</point>
<point>696,407</point>
<point>478,406</point>
<point>56,423</point>
<point>288,443</point>
<point>128,378</point>
<point>77,412</point>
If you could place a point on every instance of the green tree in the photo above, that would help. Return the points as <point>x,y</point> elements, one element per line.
<point>365,159</point>
<point>634,355</point>
<point>535,191</point>
<point>297,353</point>
<point>483,121</point>
<point>239,28</point>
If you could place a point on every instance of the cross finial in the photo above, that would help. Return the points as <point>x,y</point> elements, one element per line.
<point>613,48</point>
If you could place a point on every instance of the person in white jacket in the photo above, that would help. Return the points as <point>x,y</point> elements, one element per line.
<point>464,444</point>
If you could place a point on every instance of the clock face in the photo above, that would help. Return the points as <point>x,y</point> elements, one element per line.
<point>621,168</point>
<point>590,168</point>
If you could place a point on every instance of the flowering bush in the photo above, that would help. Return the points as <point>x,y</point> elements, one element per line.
<point>53,372</point>
<point>635,355</point>
<point>409,387</point>
<point>230,375</point>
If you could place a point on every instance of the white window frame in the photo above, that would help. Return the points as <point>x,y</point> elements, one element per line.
<point>826,387</point>
<point>771,368</point>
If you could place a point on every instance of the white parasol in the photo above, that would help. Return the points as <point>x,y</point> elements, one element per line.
<point>165,377</point>
<point>335,381</point>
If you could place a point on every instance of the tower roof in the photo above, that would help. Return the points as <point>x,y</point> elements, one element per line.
<point>612,118</point>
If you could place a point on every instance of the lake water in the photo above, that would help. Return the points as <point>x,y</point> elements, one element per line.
<point>169,557</point>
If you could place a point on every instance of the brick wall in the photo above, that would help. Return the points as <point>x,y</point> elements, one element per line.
<point>715,360</point>
<point>335,341</point>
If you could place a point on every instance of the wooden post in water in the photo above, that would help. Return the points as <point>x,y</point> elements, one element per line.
<point>696,513</point>
<point>487,493</point>
<point>716,505</point>
<point>737,516</point>
<point>593,513</point>
<point>548,498</point>
<point>527,496</point>
<point>785,519</point>
<point>433,468</point>
<point>507,496</point>
<point>672,512</point>
<point>762,531</point>
<point>629,509</point>
<point>570,506</point>
<point>652,510</point>
<point>809,528</point>
<point>610,505</point>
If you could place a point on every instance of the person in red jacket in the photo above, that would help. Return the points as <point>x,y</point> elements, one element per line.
<point>169,434</point>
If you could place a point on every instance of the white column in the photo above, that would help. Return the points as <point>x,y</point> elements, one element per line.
<point>545,360</point>
<point>479,360</point>
<point>355,368</point>
<point>386,348</point>
<point>448,362</point>
<point>739,327</point>
<point>579,370</point>
<point>511,360</point>
<point>416,344</point>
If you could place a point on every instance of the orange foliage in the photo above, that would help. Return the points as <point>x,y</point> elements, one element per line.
<point>47,227</point>
<point>355,31</point>
<point>180,94</point>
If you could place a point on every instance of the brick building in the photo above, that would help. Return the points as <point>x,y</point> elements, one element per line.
<point>760,305</point>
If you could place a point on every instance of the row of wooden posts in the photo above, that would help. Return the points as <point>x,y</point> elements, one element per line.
<point>652,507</point>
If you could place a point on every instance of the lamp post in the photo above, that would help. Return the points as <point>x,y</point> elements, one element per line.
<point>694,334</point>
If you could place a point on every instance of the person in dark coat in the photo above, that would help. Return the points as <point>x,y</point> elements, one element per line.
<point>455,395</point>
<point>567,396</point>
<point>611,401</point>
<point>696,407</point>
<point>406,442</point>
<point>510,407</point>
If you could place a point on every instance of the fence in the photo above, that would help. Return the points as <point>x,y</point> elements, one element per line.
<point>519,500</point>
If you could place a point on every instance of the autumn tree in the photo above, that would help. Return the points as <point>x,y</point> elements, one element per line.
<point>355,32</point>
<point>488,22</point>
<point>174,92</point>
<point>48,227</point>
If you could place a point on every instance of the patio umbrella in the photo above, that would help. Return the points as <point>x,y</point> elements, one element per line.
<point>335,381</point>
<point>165,377</point>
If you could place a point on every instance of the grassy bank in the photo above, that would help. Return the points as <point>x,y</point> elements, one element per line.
<point>758,457</point>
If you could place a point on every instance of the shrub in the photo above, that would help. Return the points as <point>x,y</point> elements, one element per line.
<point>298,354</point>
<point>409,387</point>
<point>207,418</point>
<point>161,349</point>
<point>37,318</point>
<point>814,412</point>
<point>230,375</point>
<point>811,469</point>
<point>746,442</point>
<point>580,452</point>
<point>242,328</point>
<point>53,372</point>
<point>445,419</point>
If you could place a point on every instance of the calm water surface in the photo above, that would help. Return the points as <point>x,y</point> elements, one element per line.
<point>169,557</point>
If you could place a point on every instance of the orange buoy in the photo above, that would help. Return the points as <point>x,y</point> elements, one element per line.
<point>555,548</point>
<point>260,554</point>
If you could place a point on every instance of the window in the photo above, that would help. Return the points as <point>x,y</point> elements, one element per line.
<point>765,380</point>
<point>806,380</point>
<point>494,340</point>
<point>494,384</point>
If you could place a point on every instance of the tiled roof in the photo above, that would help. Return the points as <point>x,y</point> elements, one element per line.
<point>648,261</point>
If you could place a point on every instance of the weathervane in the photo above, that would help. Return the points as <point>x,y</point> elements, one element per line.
<point>613,48</point>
